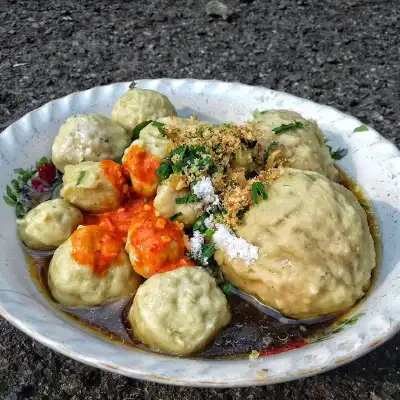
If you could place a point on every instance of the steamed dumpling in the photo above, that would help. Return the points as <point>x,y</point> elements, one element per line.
<point>94,186</point>
<point>49,225</point>
<point>88,137</point>
<point>139,105</point>
<point>179,312</point>
<point>316,252</point>
<point>78,276</point>
<point>305,147</point>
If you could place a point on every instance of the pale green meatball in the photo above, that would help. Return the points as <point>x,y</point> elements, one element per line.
<point>49,225</point>
<point>139,105</point>
<point>88,137</point>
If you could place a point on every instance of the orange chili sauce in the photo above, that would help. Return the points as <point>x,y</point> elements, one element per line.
<point>142,166</point>
<point>158,243</point>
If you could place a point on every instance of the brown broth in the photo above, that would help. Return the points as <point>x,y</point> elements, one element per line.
<point>248,330</point>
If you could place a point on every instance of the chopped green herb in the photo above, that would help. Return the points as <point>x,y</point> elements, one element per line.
<point>201,131</point>
<point>16,185</point>
<point>337,154</point>
<point>80,178</point>
<point>11,194</point>
<point>224,211</point>
<point>218,149</point>
<point>271,148</point>
<point>285,127</point>
<point>9,201</point>
<point>199,223</point>
<point>220,170</point>
<point>257,189</point>
<point>227,288</point>
<point>361,128</point>
<point>132,85</point>
<point>138,128</point>
<point>25,175</point>
<point>193,158</point>
<point>191,198</point>
<point>175,216</point>
<point>159,126</point>
<point>228,125</point>
<point>207,252</point>
<point>209,232</point>
<point>164,170</point>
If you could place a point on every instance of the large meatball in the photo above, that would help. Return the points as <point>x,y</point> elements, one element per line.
<point>316,252</point>
<point>139,105</point>
<point>81,275</point>
<point>88,137</point>
<point>49,225</point>
<point>179,312</point>
<point>305,147</point>
<point>94,186</point>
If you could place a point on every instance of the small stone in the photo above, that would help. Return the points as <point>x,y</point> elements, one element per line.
<point>219,9</point>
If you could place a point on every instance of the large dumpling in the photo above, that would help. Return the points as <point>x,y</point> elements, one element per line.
<point>179,312</point>
<point>139,105</point>
<point>316,252</point>
<point>94,186</point>
<point>91,268</point>
<point>304,147</point>
<point>88,137</point>
<point>49,225</point>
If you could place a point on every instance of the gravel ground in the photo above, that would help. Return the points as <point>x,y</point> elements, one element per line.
<point>345,54</point>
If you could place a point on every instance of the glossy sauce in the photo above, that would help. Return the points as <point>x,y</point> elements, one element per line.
<point>249,329</point>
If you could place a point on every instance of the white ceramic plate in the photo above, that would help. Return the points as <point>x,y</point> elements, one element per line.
<point>372,161</point>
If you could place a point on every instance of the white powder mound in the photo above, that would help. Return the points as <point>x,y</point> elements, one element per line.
<point>208,222</point>
<point>205,190</point>
<point>196,243</point>
<point>233,246</point>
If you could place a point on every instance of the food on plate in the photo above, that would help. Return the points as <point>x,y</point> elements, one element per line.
<point>179,311</point>
<point>316,253</point>
<point>88,137</point>
<point>155,244</point>
<point>140,105</point>
<point>49,225</point>
<point>164,202</point>
<point>91,268</point>
<point>193,206</point>
<point>299,140</point>
<point>95,186</point>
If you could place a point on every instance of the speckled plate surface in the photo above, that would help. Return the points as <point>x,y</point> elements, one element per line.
<point>372,161</point>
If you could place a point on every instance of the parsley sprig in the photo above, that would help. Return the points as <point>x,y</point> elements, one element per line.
<point>337,154</point>
<point>191,198</point>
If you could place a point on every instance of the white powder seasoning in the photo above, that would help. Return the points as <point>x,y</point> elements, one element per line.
<point>233,246</point>
<point>196,243</point>
<point>205,190</point>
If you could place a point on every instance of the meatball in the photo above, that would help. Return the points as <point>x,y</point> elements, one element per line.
<point>305,147</point>
<point>316,252</point>
<point>81,275</point>
<point>94,186</point>
<point>165,205</point>
<point>138,105</point>
<point>179,312</point>
<point>49,225</point>
<point>88,137</point>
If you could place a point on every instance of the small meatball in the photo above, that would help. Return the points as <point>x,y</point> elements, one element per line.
<point>95,186</point>
<point>91,268</point>
<point>143,158</point>
<point>49,225</point>
<point>315,250</point>
<point>138,105</point>
<point>179,312</point>
<point>165,205</point>
<point>88,137</point>
<point>304,148</point>
<point>155,244</point>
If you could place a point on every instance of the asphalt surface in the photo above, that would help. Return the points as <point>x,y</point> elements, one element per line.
<point>345,54</point>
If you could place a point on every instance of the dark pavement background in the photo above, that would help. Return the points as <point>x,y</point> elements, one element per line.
<point>342,53</point>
